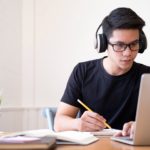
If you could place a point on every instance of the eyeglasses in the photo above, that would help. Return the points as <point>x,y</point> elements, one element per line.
<point>120,46</point>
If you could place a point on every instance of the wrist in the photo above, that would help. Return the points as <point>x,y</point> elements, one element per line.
<point>76,124</point>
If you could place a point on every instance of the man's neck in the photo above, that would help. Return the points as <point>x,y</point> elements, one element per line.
<point>112,69</point>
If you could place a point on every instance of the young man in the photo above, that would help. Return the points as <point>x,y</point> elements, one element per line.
<point>110,85</point>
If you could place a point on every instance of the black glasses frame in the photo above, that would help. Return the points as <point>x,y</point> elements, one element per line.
<point>122,46</point>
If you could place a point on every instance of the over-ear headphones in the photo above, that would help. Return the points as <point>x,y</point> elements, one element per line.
<point>143,42</point>
<point>101,43</point>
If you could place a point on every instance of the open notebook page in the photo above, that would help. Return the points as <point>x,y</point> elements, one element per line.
<point>106,132</point>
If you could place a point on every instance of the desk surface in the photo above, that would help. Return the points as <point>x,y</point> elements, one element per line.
<point>103,144</point>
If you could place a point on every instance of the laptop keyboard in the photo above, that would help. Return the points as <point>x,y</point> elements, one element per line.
<point>126,138</point>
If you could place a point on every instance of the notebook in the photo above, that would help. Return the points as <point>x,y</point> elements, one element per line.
<point>64,137</point>
<point>105,132</point>
<point>25,143</point>
<point>142,130</point>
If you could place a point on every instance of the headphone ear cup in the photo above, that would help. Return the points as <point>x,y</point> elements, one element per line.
<point>95,42</point>
<point>143,42</point>
<point>101,43</point>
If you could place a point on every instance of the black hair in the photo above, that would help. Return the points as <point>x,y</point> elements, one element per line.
<point>121,18</point>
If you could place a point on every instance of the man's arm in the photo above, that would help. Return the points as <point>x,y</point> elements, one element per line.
<point>65,119</point>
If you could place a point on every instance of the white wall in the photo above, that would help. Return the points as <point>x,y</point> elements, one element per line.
<point>18,119</point>
<point>10,51</point>
<point>51,38</point>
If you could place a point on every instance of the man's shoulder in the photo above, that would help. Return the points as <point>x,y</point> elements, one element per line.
<point>142,67</point>
<point>90,62</point>
<point>86,67</point>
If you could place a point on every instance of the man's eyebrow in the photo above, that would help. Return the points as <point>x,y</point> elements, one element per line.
<point>121,42</point>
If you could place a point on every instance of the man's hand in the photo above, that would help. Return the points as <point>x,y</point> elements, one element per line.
<point>128,129</point>
<point>91,121</point>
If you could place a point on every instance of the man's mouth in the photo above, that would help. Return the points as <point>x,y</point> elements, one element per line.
<point>126,60</point>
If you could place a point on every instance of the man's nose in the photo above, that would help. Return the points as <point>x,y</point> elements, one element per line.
<point>127,50</point>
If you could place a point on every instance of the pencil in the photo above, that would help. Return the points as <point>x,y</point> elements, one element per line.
<point>86,107</point>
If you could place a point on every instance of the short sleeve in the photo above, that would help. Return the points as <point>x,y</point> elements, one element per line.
<point>74,86</point>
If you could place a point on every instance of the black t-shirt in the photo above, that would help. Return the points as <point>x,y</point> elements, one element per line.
<point>114,97</point>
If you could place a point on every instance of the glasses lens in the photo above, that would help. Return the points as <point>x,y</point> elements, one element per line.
<point>119,47</point>
<point>135,46</point>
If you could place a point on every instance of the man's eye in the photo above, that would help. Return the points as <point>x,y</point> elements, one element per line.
<point>120,45</point>
<point>134,44</point>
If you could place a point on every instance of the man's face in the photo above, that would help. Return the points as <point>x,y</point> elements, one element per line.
<point>122,59</point>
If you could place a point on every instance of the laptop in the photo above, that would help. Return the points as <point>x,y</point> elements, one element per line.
<point>142,128</point>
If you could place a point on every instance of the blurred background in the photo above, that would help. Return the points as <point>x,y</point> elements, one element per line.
<point>42,40</point>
